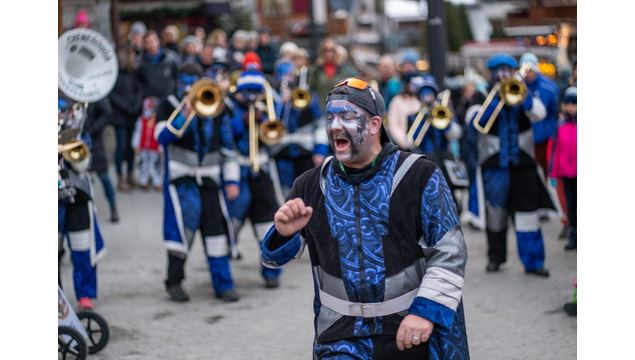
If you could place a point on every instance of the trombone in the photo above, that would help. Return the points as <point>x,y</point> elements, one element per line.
<point>439,117</point>
<point>300,96</point>
<point>512,92</point>
<point>270,132</point>
<point>206,99</point>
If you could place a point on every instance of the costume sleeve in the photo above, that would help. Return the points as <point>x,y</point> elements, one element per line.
<point>231,168</point>
<point>277,250</point>
<point>534,108</point>
<point>445,252</point>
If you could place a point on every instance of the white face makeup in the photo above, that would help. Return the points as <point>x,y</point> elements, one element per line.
<point>348,129</point>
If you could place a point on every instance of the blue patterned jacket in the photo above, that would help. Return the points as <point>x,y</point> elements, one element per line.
<point>393,235</point>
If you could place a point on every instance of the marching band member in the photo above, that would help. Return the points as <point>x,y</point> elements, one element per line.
<point>200,167</point>
<point>507,176</point>
<point>305,144</point>
<point>77,221</point>
<point>388,280</point>
<point>257,199</point>
<point>435,142</point>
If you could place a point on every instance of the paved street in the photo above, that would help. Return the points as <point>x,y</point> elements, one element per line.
<point>509,315</point>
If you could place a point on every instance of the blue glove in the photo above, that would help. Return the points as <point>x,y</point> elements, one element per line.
<point>553,182</point>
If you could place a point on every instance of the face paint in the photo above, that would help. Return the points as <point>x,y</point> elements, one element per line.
<point>503,72</point>
<point>347,130</point>
<point>427,96</point>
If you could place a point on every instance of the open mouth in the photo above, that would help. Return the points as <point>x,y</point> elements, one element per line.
<point>341,144</point>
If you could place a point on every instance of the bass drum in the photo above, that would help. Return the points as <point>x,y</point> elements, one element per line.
<point>87,65</point>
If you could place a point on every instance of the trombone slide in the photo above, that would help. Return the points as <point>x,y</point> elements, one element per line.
<point>253,140</point>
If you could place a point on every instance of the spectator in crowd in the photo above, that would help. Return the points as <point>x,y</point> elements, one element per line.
<point>206,58</point>
<point>301,58</point>
<point>191,48</point>
<point>158,69</point>
<point>170,38</point>
<point>99,115</point>
<point>82,20</point>
<point>237,48</point>
<point>389,84</point>
<point>400,107</point>
<point>328,70</point>
<point>135,36</point>
<point>267,50</point>
<point>285,57</point>
<point>217,38</point>
<point>147,147</point>
<point>564,160</point>
<point>200,33</point>
<point>126,98</point>
<point>251,44</point>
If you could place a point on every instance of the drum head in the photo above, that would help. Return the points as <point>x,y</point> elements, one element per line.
<point>87,65</point>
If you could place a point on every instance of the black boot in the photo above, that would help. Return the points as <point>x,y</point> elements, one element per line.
<point>114,215</point>
<point>228,295</point>
<point>493,266</point>
<point>542,272</point>
<point>271,283</point>
<point>176,293</point>
<point>573,239</point>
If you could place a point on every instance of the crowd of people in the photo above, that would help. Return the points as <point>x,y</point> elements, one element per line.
<point>489,159</point>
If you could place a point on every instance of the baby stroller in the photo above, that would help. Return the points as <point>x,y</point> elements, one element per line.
<point>79,334</point>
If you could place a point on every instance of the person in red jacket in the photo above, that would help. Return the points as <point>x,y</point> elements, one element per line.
<point>146,146</point>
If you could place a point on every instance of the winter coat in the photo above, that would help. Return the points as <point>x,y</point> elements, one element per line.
<point>564,150</point>
<point>126,99</point>
<point>159,77</point>
<point>98,117</point>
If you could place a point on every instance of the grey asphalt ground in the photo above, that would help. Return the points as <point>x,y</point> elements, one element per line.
<point>509,315</point>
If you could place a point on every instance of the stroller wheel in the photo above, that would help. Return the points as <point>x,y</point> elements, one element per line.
<point>70,344</point>
<point>97,329</point>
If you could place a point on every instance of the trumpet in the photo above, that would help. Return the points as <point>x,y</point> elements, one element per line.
<point>512,92</point>
<point>301,96</point>
<point>439,117</point>
<point>206,99</point>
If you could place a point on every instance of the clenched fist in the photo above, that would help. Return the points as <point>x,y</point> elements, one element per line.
<point>292,217</point>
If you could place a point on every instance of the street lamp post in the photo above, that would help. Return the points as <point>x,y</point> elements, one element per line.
<point>437,40</point>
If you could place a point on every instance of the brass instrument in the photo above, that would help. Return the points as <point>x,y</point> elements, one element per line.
<point>233,79</point>
<point>512,92</point>
<point>253,139</point>
<point>74,152</point>
<point>272,130</point>
<point>439,117</point>
<point>206,99</point>
<point>301,96</point>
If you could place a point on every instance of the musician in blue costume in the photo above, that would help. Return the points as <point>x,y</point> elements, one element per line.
<point>305,144</point>
<point>200,170</point>
<point>386,247</point>
<point>260,193</point>
<point>508,180</point>
<point>77,220</point>
<point>435,143</point>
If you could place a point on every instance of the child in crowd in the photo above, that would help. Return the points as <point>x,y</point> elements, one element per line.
<point>564,160</point>
<point>146,146</point>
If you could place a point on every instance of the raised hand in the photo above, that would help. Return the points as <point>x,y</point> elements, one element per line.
<point>292,217</point>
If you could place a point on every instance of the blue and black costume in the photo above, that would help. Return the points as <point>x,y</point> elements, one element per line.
<point>384,241</point>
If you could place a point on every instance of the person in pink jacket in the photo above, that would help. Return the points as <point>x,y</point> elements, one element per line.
<point>564,160</point>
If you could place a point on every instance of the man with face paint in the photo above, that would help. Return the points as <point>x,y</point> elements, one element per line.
<point>507,176</point>
<point>386,246</point>
<point>200,170</point>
